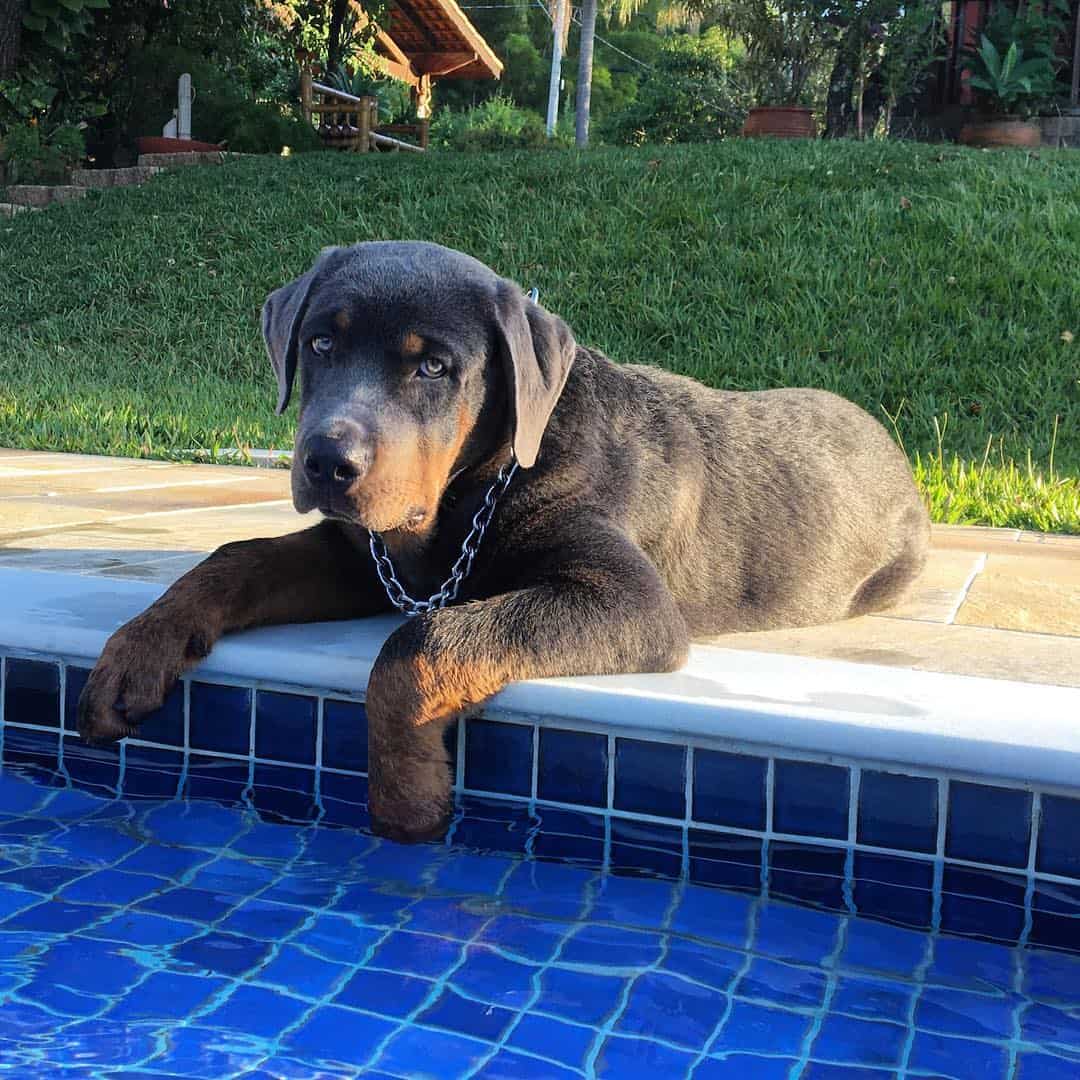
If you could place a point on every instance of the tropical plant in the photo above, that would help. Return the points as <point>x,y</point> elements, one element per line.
<point>32,157</point>
<point>58,21</point>
<point>1009,83</point>
<point>494,124</point>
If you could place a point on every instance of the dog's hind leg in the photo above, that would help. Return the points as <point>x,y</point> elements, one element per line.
<point>888,585</point>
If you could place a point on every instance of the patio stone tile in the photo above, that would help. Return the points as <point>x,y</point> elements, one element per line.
<point>160,572</point>
<point>117,481</point>
<point>88,560</point>
<point>924,646</point>
<point>30,515</point>
<point>180,497</point>
<point>1027,592</point>
<point>939,590</point>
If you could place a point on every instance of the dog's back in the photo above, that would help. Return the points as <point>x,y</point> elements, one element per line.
<point>759,509</point>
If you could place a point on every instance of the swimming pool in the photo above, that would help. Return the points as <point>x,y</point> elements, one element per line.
<point>147,936</point>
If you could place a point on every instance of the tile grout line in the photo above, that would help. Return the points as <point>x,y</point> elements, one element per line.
<point>976,570</point>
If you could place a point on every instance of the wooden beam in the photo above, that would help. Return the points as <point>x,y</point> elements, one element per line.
<point>442,63</point>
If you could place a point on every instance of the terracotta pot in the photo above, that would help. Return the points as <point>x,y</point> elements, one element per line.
<point>781,121</point>
<point>1003,132</point>
<point>158,144</point>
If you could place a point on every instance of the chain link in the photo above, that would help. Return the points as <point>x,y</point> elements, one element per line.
<point>447,594</point>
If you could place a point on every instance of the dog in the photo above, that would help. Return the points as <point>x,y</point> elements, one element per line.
<point>613,512</point>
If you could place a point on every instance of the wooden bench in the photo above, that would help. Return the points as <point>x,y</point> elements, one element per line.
<point>347,122</point>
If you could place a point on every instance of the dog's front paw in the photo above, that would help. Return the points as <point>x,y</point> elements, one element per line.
<point>410,824</point>
<point>138,667</point>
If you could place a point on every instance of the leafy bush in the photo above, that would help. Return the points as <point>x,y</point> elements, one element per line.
<point>31,159</point>
<point>1010,83</point>
<point>252,127</point>
<point>392,95</point>
<point>692,94</point>
<point>495,124</point>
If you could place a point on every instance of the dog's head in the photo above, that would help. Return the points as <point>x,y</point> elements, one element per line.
<point>415,362</point>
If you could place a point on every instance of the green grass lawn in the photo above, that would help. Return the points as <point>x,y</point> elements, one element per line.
<point>935,286</point>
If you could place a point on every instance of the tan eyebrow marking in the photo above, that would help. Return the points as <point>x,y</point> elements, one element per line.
<point>412,344</point>
<point>342,319</point>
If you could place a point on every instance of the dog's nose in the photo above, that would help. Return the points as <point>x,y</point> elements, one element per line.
<point>331,463</point>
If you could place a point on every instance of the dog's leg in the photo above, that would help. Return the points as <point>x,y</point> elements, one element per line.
<point>303,577</point>
<point>596,610</point>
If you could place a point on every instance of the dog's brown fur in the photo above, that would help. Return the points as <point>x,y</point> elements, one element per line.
<point>648,510</point>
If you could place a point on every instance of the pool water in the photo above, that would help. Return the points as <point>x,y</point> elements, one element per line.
<point>181,938</point>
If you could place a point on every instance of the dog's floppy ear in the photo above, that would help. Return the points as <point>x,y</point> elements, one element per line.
<point>537,350</point>
<point>282,315</point>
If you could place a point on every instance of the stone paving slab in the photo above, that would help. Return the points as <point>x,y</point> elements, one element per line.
<point>996,602</point>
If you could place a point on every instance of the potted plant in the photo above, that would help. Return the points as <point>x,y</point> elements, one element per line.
<point>784,44</point>
<point>1009,88</point>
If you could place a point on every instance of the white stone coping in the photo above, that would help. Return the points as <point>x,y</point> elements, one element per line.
<point>989,728</point>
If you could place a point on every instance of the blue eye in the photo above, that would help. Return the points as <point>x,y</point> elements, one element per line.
<point>430,368</point>
<point>322,344</point>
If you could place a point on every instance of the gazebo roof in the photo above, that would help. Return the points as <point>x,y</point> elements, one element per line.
<point>435,38</point>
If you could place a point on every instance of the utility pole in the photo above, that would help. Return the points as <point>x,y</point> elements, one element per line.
<point>558,30</point>
<point>584,81</point>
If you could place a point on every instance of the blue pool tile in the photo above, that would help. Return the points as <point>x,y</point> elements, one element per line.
<point>498,757</point>
<point>1055,915</point>
<point>754,1028</point>
<point>259,919</point>
<point>285,727</point>
<point>299,972</point>
<point>220,718</point>
<point>744,1066</point>
<point>200,1051</point>
<point>112,887</point>
<point>152,774</point>
<point>222,780</point>
<point>506,1065</point>
<point>784,984</point>
<point>1051,1026</point>
<point>105,1042</point>
<point>579,996</point>
<point>642,846</point>
<point>165,862</point>
<point>988,824</point>
<point>810,799</point>
<point>700,962</point>
<point>596,947</point>
<point>982,904</point>
<point>75,680</point>
<point>731,862</point>
<point>166,725</point>
<point>55,996</point>
<point>826,1070</point>
<point>32,692</point>
<point>92,768</point>
<point>554,890</point>
<point>894,888</point>
<point>338,939</point>
<point>418,954</point>
<point>897,811</point>
<point>531,939</point>
<point>34,753</point>
<point>1051,976</point>
<point>569,1044</point>
<point>1058,851</point>
<point>650,778</point>
<point>234,877</point>
<point>344,736</point>
<point>194,824</point>
<point>196,905</point>
<point>40,878</point>
<point>445,917</point>
<point>334,1034</point>
<point>961,1012</point>
<point>568,835</point>
<point>573,767</point>
<point>438,1055</point>
<point>386,992</point>
<point>859,1042</point>
<point>808,873</point>
<point>976,965</point>
<point>881,948</point>
<point>143,928</point>
<point>223,954</point>
<point>729,789</point>
<point>380,909</point>
<point>1044,1067</point>
<point>670,1009</point>
<point>464,1016</point>
<point>52,917</point>
<point>486,975</point>
<point>631,1059</point>
<point>256,1012</point>
<point>802,935</point>
<point>13,901</point>
<point>283,793</point>
<point>491,825</point>
<point>343,799</point>
<point>714,915</point>
<point>958,1059</point>
<point>88,966</point>
<point>873,998</point>
<point>632,900</point>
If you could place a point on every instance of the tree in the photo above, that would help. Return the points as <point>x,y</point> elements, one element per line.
<point>11,16</point>
<point>585,66</point>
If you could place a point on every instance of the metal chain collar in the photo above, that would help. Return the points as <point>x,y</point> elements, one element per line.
<point>447,594</point>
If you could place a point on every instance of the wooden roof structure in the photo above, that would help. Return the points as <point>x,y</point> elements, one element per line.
<point>434,38</point>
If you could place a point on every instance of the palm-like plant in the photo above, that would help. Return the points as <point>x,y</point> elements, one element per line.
<point>1008,82</point>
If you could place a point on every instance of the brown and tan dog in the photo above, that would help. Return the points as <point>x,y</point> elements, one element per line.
<point>647,509</point>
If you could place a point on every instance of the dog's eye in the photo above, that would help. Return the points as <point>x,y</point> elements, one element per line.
<point>322,344</point>
<point>430,368</point>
